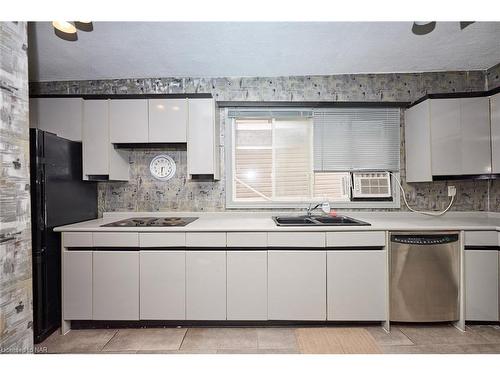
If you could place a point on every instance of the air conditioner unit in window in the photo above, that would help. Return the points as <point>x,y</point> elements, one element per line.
<point>371,185</point>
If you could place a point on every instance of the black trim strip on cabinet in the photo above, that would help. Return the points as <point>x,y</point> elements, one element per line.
<point>116,248</point>
<point>482,247</point>
<point>467,177</point>
<point>181,146</point>
<point>457,95</point>
<point>95,324</point>
<point>278,104</point>
<point>349,248</point>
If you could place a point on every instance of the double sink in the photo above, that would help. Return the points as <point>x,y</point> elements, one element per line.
<point>316,220</point>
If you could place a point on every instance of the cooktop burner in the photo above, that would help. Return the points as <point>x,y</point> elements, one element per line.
<point>152,222</point>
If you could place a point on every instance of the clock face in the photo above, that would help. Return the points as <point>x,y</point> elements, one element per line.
<point>162,167</point>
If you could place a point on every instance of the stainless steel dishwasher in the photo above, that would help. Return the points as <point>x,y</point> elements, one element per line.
<point>424,276</point>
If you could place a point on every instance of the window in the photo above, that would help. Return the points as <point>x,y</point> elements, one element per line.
<point>287,158</point>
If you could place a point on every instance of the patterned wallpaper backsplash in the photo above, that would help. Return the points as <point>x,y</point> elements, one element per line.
<point>16,311</point>
<point>143,193</point>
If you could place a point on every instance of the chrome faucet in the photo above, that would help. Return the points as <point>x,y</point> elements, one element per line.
<point>325,207</point>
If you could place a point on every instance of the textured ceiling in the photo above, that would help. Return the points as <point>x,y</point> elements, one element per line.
<point>164,49</point>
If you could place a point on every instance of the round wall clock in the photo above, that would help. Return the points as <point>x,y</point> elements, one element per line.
<point>162,167</point>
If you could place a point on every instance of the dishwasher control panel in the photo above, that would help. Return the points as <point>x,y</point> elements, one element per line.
<point>424,239</point>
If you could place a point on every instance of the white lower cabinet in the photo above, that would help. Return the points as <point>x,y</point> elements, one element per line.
<point>356,284</point>
<point>77,285</point>
<point>481,285</point>
<point>247,285</point>
<point>163,285</point>
<point>116,285</point>
<point>206,285</point>
<point>296,285</point>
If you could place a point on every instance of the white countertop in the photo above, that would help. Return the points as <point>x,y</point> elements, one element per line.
<point>237,221</point>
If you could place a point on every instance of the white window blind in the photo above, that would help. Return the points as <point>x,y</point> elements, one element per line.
<point>356,139</point>
<point>272,159</point>
<point>273,162</point>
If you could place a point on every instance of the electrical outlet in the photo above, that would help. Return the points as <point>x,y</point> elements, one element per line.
<point>452,191</point>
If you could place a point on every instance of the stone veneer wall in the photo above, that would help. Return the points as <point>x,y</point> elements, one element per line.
<point>144,193</point>
<point>16,313</point>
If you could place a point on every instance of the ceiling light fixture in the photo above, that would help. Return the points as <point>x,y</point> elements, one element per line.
<point>67,30</point>
<point>86,26</point>
<point>423,27</point>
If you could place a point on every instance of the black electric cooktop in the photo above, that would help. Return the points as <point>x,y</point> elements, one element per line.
<point>152,222</point>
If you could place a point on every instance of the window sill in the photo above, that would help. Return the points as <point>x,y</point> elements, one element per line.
<point>334,205</point>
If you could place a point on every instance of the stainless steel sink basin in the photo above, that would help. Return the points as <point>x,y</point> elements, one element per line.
<point>294,221</point>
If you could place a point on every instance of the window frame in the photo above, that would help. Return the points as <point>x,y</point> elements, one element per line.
<point>229,135</point>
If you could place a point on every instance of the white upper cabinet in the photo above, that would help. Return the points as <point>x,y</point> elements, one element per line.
<point>417,143</point>
<point>128,121</point>
<point>476,138</point>
<point>168,120</point>
<point>446,137</point>
<point>495,132</point>
<point>61,116</point>
<point>203,138</point>
<point>100,158</point>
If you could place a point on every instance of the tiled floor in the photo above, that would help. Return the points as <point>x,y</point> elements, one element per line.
<point>277,340</point>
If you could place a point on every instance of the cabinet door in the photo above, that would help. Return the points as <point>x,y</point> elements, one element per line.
<point>168,120</point>
<point>481,285</point>
<point>495,132</point>
<point>206,285</point>
<point>446,137</point>
<point>247,285</point>
<point>99,155</point>
<point>95,137</point>
<point>296,285</point>
<point>77,285</point>
<point>356,285</point>
<point>162,285</point>
<point>475,125</point>
<point>116,285</point>
<point>418,143</point>
<point>128,120</point>
<point>202,149</point>
<point>61,116</point>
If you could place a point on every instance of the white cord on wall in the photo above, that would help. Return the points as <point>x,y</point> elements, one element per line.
<point>429,213</point>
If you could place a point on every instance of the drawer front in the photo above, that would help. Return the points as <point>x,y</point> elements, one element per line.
<point>116,239</point>
<point>294,239</point>
<point>247,239</point>
<point>77,239</point>
<point>162,239</point>
<point>355,239</point>
<point>481,238</point>
<point>206,239</point>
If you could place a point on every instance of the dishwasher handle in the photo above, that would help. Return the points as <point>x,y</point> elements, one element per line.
<point>424,239</point>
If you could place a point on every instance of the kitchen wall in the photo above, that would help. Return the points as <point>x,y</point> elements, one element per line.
<point>143,193</point>
<point>16,314</point>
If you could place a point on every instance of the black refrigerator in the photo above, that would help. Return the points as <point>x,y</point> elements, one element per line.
<point>59,196</point>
